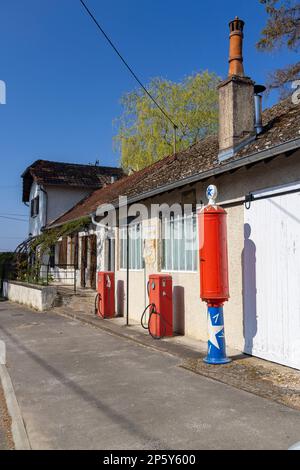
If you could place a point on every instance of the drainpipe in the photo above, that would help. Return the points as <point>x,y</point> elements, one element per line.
<point>46,211</point>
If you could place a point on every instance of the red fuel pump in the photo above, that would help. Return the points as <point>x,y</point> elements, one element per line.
<point>160,320</point>
<point>105,298</point>
<point>214,289</point>
<point>214,286</point>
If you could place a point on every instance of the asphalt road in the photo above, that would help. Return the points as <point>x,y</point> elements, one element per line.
<point>81,388</point>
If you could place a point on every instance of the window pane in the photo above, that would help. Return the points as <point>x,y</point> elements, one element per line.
<point>135,247</point>
<point>179,244</point>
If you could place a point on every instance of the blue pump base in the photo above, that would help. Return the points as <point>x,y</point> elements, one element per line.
<point>224,360</point>
<point>216,348</point>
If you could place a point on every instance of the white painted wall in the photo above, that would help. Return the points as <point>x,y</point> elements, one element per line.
<point>38,298</point>
<point>59,200</point>
<point>37,222</point>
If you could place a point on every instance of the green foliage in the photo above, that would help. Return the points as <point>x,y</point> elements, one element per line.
<point>6,260</point>
<point>6,257</point>
<point>28,270</point>
<point>282,30</point>
<point>144,133</point>
<point>50,237</point>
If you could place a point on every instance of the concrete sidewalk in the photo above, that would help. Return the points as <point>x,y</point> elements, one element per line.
<point>80,387</point>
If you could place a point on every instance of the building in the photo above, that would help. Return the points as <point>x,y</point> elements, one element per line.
<point>255,163</point>
<point>51,188</point>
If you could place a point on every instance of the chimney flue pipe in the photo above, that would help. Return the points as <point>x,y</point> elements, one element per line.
<point>258,89</point>
<point>236,36</point>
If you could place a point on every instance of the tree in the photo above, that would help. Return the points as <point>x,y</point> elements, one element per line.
<point>145,135</point>
<point>282,30</point>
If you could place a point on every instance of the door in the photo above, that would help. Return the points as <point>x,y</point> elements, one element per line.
<point>93,260</point>
<point>271,278</point>
<point>83,261</point>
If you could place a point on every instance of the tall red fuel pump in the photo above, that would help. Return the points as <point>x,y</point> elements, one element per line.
<point>105,298</point>
<point>214,287</point>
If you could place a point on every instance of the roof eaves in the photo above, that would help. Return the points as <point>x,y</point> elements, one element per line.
<point>240,162</point>
<point>224,168</point>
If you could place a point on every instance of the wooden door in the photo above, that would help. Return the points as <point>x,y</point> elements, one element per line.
<point>83,260</point>
<point>93,260</point>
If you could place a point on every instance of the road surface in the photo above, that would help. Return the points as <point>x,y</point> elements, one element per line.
<point>79,387</point>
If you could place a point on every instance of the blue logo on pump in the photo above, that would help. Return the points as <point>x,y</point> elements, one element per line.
<point>216,353</point>
<point>212,194</point>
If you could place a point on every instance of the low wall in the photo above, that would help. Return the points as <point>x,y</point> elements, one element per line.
<point>38,297</point>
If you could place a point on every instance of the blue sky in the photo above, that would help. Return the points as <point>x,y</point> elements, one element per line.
<point>64,82</point>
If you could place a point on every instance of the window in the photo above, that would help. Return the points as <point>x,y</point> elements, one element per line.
<point>35,206</point>
<point>135,247</point>
<point>179,243</point>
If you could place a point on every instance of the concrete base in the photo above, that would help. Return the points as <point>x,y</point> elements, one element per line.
<point>40,298</point>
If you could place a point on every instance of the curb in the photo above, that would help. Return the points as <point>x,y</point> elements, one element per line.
<point>18,430</point>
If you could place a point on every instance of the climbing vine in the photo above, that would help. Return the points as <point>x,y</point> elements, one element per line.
<point>51,236</point>
<point>29,267</point>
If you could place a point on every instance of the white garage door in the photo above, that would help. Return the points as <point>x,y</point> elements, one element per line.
<point>271,278</point>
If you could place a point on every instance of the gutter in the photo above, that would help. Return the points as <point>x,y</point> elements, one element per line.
<point>243,161</point>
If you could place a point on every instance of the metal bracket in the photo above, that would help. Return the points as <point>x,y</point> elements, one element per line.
<point>248,199</point>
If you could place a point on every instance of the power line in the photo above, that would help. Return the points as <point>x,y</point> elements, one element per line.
<point>12,218</point>
<point>13,214</point>
<point>175,127</point>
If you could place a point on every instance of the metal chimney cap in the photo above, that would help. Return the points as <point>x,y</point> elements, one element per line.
<point>259,89</point>
<point>237,24</point>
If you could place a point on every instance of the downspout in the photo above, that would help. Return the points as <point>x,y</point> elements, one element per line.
<point>46,211</point>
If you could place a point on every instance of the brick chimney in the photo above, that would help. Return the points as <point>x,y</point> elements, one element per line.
<point>236,99</point>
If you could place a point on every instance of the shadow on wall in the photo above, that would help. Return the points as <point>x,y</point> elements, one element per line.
<point>249,290</point>
<point>178,310</point>
<point>120,298</point>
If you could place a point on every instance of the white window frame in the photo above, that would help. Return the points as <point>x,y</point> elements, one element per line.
<point>168,244</point>
<point>136,260</point>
